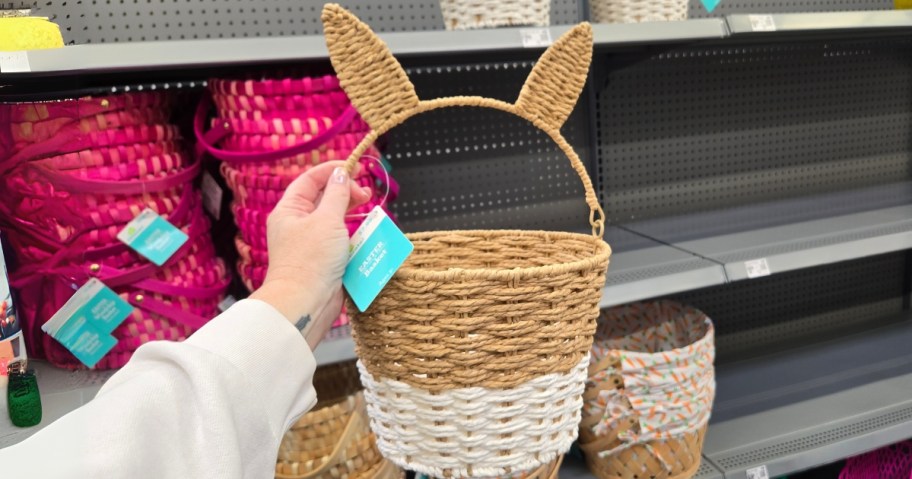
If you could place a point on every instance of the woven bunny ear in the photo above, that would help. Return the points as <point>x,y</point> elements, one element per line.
<point>374,81</point>
<point>556,81</point>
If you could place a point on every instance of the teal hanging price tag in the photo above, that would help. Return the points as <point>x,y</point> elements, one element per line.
<point>85,323</point>
<point>376,251</point>
<point>711,5</point>
<point>153,237</point>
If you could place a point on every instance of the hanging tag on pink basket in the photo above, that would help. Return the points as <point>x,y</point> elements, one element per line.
<point>85,322</point>
<point>376,251</point>
<point>153,237</point>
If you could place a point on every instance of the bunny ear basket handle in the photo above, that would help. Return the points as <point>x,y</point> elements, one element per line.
<point>380,90</point>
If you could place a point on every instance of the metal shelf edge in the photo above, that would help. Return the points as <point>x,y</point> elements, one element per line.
<point>742,24</point>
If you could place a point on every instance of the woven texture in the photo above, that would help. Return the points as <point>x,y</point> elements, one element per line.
<point>635,11</point>
<point>258,116</point>
<point>74,173</point>
<point>545,471</point>
<point>496,325</point>
<point>471,14</point>
<point>649,392</point>
<point>891,462</point>
<point>476,431</point>
<point>333,442</point>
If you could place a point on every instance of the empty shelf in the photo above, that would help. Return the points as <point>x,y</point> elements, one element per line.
<point>814,405</point>
<point>642,268</point>
<point>772,237</point>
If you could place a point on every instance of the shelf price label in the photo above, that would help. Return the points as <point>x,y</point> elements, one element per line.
<point>535,37</point>
<point>758,473</point>
<point>757,268</point>
<point>762,23</point>
<point>14,62</point>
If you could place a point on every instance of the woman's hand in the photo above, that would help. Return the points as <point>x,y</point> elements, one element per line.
<point>308,248</point>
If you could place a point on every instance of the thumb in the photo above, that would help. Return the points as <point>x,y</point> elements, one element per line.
<point>336,195</point>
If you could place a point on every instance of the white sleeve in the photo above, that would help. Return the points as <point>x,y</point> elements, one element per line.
<point>215,405</point>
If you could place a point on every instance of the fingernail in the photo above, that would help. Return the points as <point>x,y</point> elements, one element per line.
<point>367,191</point>
<point>339,175</point>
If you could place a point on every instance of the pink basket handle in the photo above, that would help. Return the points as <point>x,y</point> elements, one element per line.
<point>207,140</point>
<point>90,186</point>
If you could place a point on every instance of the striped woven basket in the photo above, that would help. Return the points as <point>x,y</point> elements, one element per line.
<point>472,14</point>
<point>649,393</point>
<point>636,11</point>
<point>474,355</point>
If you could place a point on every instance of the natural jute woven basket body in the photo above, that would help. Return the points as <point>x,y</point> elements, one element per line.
<point>636,11</point>
<point>331,443</point>
<point>470,14</point>
<point>631,429</point>
<point>474,355</point>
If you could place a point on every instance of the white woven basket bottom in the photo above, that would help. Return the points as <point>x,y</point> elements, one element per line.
<point>491,431</point>
<point>635,11</point>
<point>468,14</point>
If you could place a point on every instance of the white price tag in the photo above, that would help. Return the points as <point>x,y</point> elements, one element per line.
<point>758,473</point>
<point>535,37</point>
<point>14,62</point>
<point>212,196</point>
<point>762,23</point>
<point>757,268</point>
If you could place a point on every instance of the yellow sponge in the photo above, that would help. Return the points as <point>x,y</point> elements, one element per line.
<point>29,33</point>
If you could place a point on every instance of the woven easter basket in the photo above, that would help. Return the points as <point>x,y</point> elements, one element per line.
<point>611,453</point>
<point>545,471</point>
<point>474,355</point>
<point>472,14</point>
<point>636,11</point>
<point>331,443</point>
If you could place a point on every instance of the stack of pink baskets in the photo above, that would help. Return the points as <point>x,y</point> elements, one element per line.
<point>74,173</point>
<point>271,131</point>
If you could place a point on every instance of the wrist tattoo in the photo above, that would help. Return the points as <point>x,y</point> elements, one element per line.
<point>303,323</point>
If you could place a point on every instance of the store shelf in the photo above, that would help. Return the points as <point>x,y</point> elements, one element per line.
<point>642,268</point>
<point>814,405</point>
<point>335,350</point>
<point>795,233</point>
<point>61,392</point>
<point>885,21</point>
<point>193,54</point>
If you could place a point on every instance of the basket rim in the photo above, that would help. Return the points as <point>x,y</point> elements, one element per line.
<point>601,256</point>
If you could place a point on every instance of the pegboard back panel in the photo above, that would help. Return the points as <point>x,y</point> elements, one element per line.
<point>466,168</point>
<point>790,309</point>
<point>694,129</point>
<point>697,10</point>
<point>99,21</point>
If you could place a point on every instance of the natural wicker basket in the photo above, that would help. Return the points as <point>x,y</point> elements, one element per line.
<point>472,14</point>
<point>474,355</point>
<point>677,456</point>
<point>636,11</point>
<point>332,443</point>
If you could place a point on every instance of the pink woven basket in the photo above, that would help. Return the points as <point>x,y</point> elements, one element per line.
<point>891,462</point>
<point>80,171</point>
<point>113,156</point>
<point>331,103</point>
<point>32,132</point>
<point>281,86</point>
<point>87,106</point>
